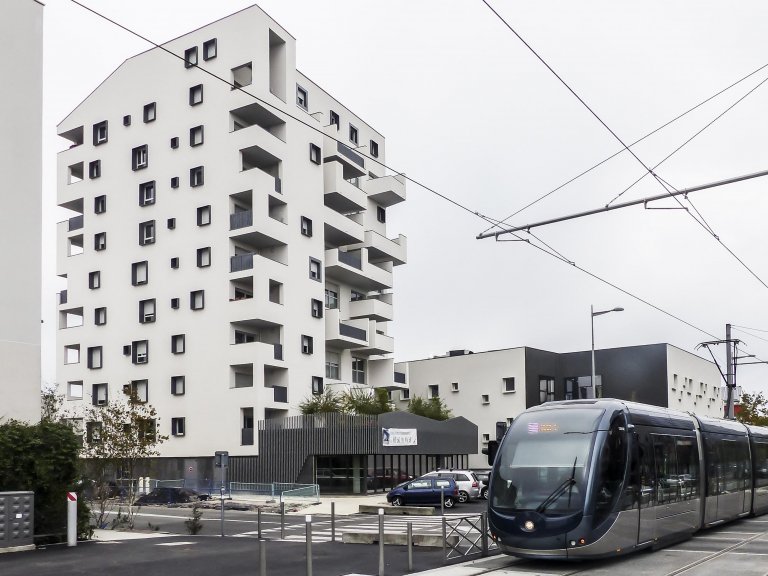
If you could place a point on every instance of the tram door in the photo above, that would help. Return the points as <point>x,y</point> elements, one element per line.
<point>646,492</point>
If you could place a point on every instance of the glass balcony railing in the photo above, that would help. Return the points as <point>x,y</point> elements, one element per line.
<point>347,152</point>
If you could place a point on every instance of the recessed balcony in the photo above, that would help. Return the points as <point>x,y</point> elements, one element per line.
<point>386,190</point>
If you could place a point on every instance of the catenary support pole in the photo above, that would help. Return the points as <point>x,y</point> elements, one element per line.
<point>282,520</point>
<point>308,533</point>
<point>381,541</point>
<point>333,521</point>
<point>262,557</point>
<point>442,501</point>
<point>258,522</point>
<point>729,373</point>
<point>409,537</point>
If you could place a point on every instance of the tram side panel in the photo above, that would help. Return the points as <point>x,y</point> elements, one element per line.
<point>729,477</point>
<point>759,450</point>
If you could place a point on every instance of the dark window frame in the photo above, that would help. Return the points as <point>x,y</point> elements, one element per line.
<point>97,245</point>
<point>96,128</point>
<point>334,119</point>
<point>201,213</point>
<point>144,316</point>
<point>150,112</point>
<point>90,357</point>
<point>193,132</point>
<point>135,266</point>
<point>302,92</point>
<point>196,176</point>
<point>373,147</point>
<point>136,154</point>
<point>176,382</point>
<point>354,134</point>
<point>94,169</point>
<point>193,296</point>
<point>195,90</point>
<point>315,154</point>
<point>100,204</point>
<point>144,238</point>
<point>206,48</point>
<point>178,343</point>
<point>100,316</point>
<point>316,308</point>
<point>201,253</point>
<point>190,57</point>
<point>307,344</point>
<point>306,227</point>
<point>143,188</point>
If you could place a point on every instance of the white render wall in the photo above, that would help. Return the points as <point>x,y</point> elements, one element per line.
<point>211,404</point>
<point>693,384</point>
<point>21,40</point>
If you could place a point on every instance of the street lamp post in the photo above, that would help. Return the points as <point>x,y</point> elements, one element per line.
<point>592,319</point>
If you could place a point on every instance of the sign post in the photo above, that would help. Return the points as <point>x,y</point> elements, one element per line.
<point>71,518</point>
<point>221,460</point>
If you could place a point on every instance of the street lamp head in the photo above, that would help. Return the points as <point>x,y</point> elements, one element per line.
<point>618,309</point>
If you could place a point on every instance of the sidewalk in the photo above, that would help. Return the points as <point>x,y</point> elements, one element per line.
<point>344,505</point>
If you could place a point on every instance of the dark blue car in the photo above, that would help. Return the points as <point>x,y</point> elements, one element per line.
<point>424,491</point>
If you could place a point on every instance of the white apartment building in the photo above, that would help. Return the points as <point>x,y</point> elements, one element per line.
<point>21,109</point>
<point>497,385</point>
<point>228,253</point>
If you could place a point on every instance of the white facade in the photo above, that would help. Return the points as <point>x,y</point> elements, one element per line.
<point>489,387</point>
<point>21,39</point>
<point>220,237</point>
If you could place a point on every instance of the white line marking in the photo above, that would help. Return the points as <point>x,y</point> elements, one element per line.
<point>175,543</point>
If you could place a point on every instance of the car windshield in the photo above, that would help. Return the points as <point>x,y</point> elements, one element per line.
<point>542,462</point>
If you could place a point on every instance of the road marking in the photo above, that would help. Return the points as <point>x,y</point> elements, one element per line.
<point>175,543</point>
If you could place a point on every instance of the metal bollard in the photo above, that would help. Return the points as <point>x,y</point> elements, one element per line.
<point>409,536</point>
<point>381,541</point>
<point>484,535</point>
<point>333,521</point>
<point>442,501</point>
<point>308,533</point>
<point>222,510</point>
<point>258,521</point>
<point>445,537</point>
<point>282,520</point>
<point>71,518</point>
<point>262,557</point>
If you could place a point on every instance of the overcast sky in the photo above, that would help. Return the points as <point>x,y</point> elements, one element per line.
<point>467,110</point>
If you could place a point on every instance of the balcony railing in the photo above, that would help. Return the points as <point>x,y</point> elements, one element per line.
<point>278,185</point>
<point>241,262</point>
<point>352,332</point>
<point>278,351</point>
<point>63,297</point>
<point>351,259</point>
<point>75,223</point>
<point>281,393</point>
<point>241,219</point>
<point>346,151</point>
<point>400,377</point>
<point>247,436</point>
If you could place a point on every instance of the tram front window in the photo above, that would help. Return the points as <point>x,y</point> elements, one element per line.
<point>543,460</point>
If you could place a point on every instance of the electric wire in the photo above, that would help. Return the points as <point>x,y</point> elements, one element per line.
<point>489,220</point>
<point>749,333</point>
<point>748,328</point>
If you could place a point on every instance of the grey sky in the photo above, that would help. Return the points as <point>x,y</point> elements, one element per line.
<point>468,111</point>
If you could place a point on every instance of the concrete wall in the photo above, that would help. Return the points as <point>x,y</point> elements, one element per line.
<point>21,41</point>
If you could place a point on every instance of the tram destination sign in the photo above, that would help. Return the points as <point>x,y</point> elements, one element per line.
<point>398,437</point>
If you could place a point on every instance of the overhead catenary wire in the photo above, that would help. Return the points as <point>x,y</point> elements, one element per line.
<point>553,254</point>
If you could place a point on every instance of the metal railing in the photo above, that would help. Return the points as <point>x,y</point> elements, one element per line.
<point>241,219</point>
<point>400,377</point>
<point>352,332</point>
<point>466,536</point>
<point>275,490</point>
<point>280,394</point>
<point>75,223</point>
<point>241,262</point>
<point>351,259</point>
<point>63,297</point>
<point>246,436</point>
<point>278,351</point>
<point>306,493</point>
<point>346,151</point>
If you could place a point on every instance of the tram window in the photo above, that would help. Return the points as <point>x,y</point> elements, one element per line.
<point>688,467</point>
<point>667,478</point>
<point>611,467</point>
<point>714,467</point>
<point>761,464</point>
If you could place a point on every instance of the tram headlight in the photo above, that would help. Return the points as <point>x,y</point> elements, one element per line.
<point>529,526</point>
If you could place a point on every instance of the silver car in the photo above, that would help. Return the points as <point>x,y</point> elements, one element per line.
<point>466,480</point>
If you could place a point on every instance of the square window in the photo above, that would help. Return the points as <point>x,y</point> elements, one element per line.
<point>147,193</point>
<point>196,176</point>
<point>150,112</point>
<point>433,391</point>
<point>100,133</point>
<point>317,308</point>
<point>242,76</point>
<point>190,57</point>
<point>99,396</point>
<point>197,299</point>
<point>353,135</point>
<point>405,394</point>
<point>147,233</point>
<point>140,351</point>
<point>94,169</point>
<point>171,223</point>
<point>175,303</point>
<point>127,120</point>
<point>302,97</point>
<point>175,262</point>
<point>127,350</point>
<point>100,241</point>
<point>178,343</point>
<point>454,386</point>
<point>314,153</point>
<point>94,357</point>
<point>315,270</point>
<point>178,385</point>
<point>138,390</point>
<point>147,311</point>
<point>374,148</point>
<point>139,273</point>
<point>100,204</point>
<point>334,119</point>
<point>175,182</point>
<point>204,215</point>
<point>175,142</point>
<point>100,316</point>
<point>196,136</point>
<point>317,385</point>
<point>509,385</point>
<point>486,438</point>
<point>140,157</point>
<point>381,214</point>
<point>196,95</point>
<point>204,257</point>
<point>209,49</point>
<point>75,390</point>
<point>177,426</point>
<point>275,291</point>
<point>94,280</point>
<point>307,344</point>
<point>306,226</point>
<point>485,398</point>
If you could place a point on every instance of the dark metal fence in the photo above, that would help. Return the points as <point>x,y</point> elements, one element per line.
<point>351,259</point>
<point>241,262</point>
<point>241,219</point>
<point>346,151</point>
<point>352,332</point>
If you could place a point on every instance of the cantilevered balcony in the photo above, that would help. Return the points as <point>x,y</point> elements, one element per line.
<point>344,334</point>
<point>386,190</point>
<point>341,230</point>
<point>352,267</point>
<point>353,162</point>
<point>341,195</point>
<point>378,343</point>
<point>371,309</point>
<point>383,249</point>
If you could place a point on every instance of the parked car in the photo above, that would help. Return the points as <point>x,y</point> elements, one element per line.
<point>484,476</point>
<point>424,491</point>
<point>167,495</point>
<point>469,485</point>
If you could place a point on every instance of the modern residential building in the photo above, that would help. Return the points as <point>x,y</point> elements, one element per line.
<point>495,386</point>
<point>21,108</point>
<point>227,256</point>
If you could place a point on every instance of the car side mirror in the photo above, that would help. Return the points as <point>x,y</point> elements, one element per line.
<point>405,487</point>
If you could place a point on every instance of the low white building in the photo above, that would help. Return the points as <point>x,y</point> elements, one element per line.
<point>496,385</point>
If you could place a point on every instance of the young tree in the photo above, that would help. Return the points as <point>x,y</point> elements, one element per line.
<point>120,436</point>
<point>433,408</point>
<point>753,409</point>
<point>328,401</point>
<point>361,401</point>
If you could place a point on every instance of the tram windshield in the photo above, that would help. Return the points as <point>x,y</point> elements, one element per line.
<point>543,461</point>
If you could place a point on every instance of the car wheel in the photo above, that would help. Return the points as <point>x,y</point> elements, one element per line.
<point>484,494</point>
<point>449,502</point>
<point>463,496</point>
<point>397,501</point>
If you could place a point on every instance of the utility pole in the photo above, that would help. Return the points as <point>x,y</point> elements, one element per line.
<point>729,383</point>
